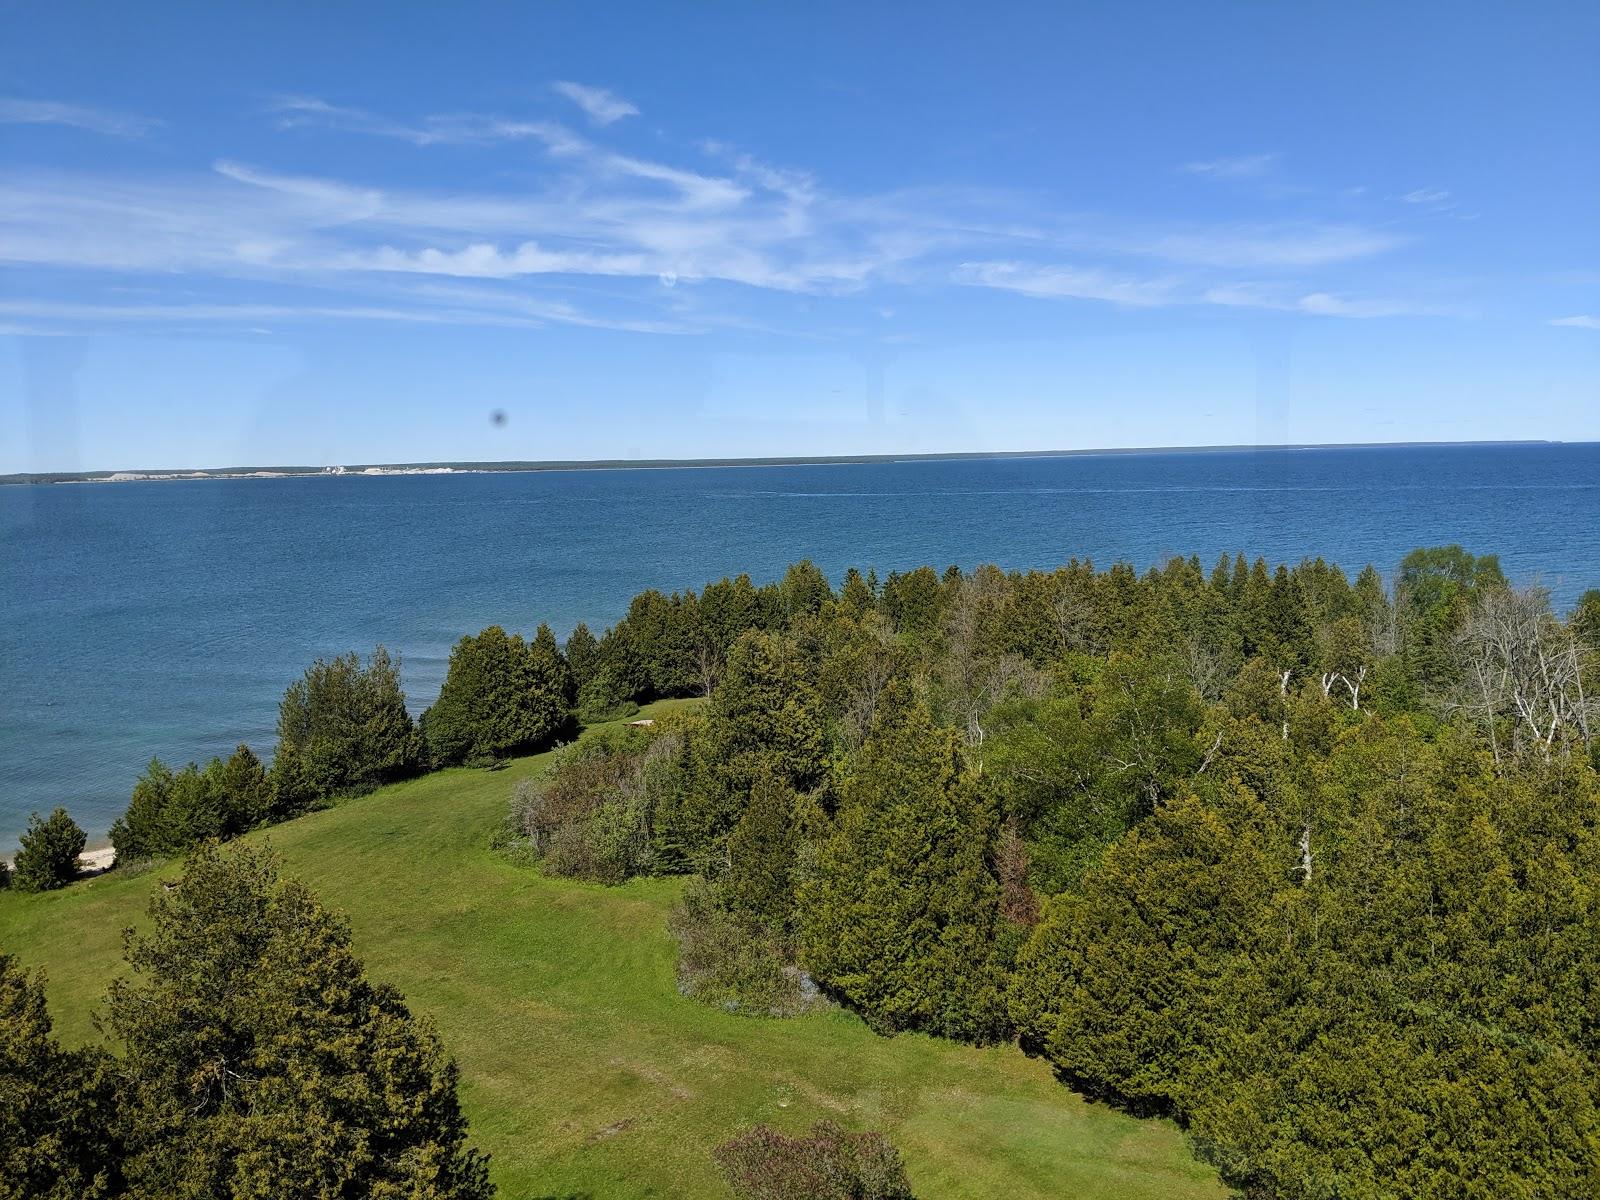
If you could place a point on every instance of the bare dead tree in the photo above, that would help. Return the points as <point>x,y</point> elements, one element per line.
<point>874,668</point>
<point>1074,619</point>
<point>1018,902</point>
<point>1208,668</point>
<point>1345,648</point>
<point>1524,668</point>
<point>709,661</point>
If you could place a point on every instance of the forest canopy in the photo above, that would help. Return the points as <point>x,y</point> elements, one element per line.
<point>1310,863</point>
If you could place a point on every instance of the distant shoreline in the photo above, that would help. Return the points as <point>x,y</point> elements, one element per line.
<point>371,470</point>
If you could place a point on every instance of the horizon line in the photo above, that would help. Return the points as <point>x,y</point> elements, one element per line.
<point>158,474</point>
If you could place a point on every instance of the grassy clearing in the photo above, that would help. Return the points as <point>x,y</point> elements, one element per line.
<point>585,1074</point>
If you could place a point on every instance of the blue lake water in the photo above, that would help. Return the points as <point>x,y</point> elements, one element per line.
<point>166,619</point>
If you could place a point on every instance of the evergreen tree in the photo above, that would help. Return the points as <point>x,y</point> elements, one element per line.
<point>141,831</point>
<point>247,796</point>
<point>1124,985</point>
<point>290,792</point>
<point>898,911</point>
<point>761,855</point>
<point>855,597</point>
<point>549,660</point>
<point>912,603</point>
<point>48,857</point>
<point>261,1062</point>
<point>622,675</point>
<point>500,696</point>
<point>196,808</point>
<point>804,590</point>
<point>56,1106</point>
<point>554,688</point>
<point>347,725</point>
<point>764,718</point>
<point>583,657</point>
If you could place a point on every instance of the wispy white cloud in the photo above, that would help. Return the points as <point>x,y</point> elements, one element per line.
<point>1280,246</point>
<point>603,106</point>
<point>524,316</point>
<point>1429,196</point>
<point>1069,282</point>
<point>1081,283</point>
<point>658,239</point>
<point>1244,166</point>
<point>76,116</point>
<point>1578,322</point>
<point>469,129</point>
<point>1280,298</point>
<point>302,112</point>
<point>1323,304</point>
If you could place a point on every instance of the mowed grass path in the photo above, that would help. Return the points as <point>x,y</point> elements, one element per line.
<point>584,1073</point>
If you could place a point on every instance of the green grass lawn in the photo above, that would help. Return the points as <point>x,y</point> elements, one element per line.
<point>584,1073</point>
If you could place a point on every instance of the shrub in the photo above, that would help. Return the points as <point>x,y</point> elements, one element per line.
<point>763,1164</point>
<point>733,962</point>
<point>591,817</point>
<point>49,854</point>
<point>604,698</point>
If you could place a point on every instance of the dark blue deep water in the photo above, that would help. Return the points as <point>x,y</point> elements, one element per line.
<point>165,619</point>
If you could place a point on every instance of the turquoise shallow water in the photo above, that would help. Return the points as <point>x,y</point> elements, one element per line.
<point>165,619</point>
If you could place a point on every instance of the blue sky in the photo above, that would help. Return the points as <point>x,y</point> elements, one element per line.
<point>294,233</point>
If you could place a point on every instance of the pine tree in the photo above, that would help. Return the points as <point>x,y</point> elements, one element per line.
<point>552,694</point>
<point>583,656</point>
<point>196,808</point>
<point>761,855</point>
<point>1127,983</point>
<point>261,1062</point>
<point>56,1106</point>
<point>898,911</point>
<point>500,696</point>
<point>247,797</point>
<point>764,718</point>
<point>549,660</point>
<point>290,791</point>
<point>140,832</point>
<point>855,597</point>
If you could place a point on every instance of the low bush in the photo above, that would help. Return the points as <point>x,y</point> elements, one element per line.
<point>591,817</point>
<point>733,962</point>
<point>763,1164</point>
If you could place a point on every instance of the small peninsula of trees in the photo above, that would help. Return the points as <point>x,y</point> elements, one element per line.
<point>254,1059</point>
<point>343,729</point>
